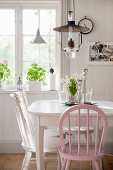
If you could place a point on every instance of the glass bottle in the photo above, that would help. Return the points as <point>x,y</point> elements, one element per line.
<point>19,84</point>
<point>84,84</point>
<point>79,97</point>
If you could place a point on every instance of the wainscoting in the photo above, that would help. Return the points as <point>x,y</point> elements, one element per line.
<point>10,139</point>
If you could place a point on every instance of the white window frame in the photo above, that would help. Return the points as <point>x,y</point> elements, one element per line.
<point>18,6</point>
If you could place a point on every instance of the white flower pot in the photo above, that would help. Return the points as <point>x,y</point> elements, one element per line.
<point>0,85</point>
<point>34,86</point>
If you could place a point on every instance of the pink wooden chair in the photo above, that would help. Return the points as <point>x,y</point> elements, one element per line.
<point>79,151</point>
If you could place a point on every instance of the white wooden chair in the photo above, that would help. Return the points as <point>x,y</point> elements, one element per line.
<point>26,126</point>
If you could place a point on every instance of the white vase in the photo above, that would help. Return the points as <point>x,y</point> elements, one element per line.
<point>2,85</point>
<point>52,82</point>
<point>34,86</point>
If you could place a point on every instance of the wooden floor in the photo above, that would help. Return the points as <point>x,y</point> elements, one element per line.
<point>14,161</point>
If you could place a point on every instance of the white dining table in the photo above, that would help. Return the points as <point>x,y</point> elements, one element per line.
<point>46,113</point>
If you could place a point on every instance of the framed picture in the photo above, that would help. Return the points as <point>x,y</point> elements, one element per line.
<point>100,53</point>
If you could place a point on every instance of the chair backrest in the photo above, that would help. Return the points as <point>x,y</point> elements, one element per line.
<point>24,119</point>
<point>76,114</point>
<point>23,93</point>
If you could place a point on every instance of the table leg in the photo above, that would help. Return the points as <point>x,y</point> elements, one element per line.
<point>39,136</point>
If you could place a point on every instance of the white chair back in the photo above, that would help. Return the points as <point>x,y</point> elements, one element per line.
<point>24,119</point>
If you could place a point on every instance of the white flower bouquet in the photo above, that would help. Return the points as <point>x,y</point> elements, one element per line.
<point>70,86</point>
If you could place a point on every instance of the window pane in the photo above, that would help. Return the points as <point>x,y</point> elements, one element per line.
<point>47,65</point>
<point>48,52</point>
<point>7,48</point>
<point>52,46</point>
<point>7,22</point>
<point>7,52</point>
<point>7,42</point>
<point>11,80</point>
<point>30,21</point>
<point>44,49</point>
<point>26,65</point>
<point>30,51</point>
<point>42,54</point>
<point>47,21</point>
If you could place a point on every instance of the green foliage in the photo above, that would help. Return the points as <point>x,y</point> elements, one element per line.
<point>73,87</point>
<point>36,73</point>
<point>4,71</point>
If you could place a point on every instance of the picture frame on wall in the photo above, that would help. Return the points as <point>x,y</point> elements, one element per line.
<point>100,53</point>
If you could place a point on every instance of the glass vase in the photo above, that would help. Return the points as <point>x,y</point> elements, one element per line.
<point>70,99</point>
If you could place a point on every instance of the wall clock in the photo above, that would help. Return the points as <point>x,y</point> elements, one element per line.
<point>87,23</point>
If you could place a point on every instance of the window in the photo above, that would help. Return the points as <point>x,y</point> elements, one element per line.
<point>7,41</point>
<point>43,54</point>
<point>19,25</point>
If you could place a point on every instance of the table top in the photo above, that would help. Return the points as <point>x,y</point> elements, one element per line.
<point>56,107</point>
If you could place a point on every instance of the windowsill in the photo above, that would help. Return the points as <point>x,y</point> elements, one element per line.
<point>44,90</point>
<point>31,92</point>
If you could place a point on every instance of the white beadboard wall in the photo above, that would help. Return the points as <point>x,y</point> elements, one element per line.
<point>10,139</point>
<point>100,77</point>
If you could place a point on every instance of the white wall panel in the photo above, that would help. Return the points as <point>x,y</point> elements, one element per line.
<point>91,83</point>
<point>100,20</point>
<point>10,139</point>
<point>108,83</point>
<point>99,82</point>
<point>109,20</point>
<point>101,12</point>
<point>8,123</point>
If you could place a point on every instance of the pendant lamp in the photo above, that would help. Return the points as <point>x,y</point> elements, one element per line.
<point>70,28</point>
<point>38,39</point>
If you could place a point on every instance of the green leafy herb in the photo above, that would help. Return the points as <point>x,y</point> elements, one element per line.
<point>36,73</point>
<point>4,71</point>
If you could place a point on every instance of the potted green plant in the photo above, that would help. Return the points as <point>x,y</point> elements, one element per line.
<point>4,73</point>
<point>35,75</point>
